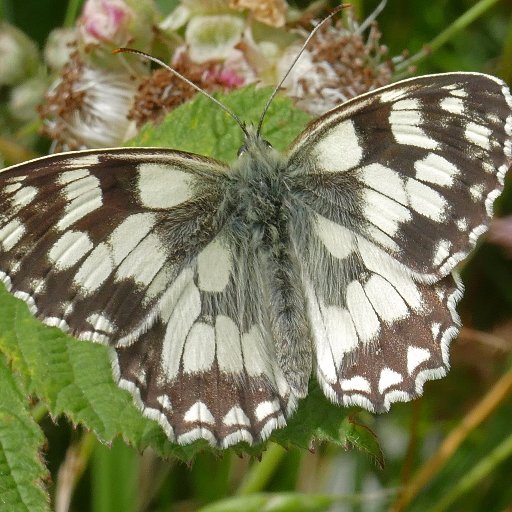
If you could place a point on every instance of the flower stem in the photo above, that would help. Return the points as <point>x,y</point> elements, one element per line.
<point>74,7</point>
<point>459,24</point>
<point>476,474</point>
<point>482,410</point>
<point>261,472</point>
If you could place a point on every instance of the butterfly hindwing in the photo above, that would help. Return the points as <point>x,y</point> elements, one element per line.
<point>208,369</point>
<point>395,187</point>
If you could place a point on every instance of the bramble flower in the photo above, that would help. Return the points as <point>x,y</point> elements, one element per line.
<point>60,45</point>
<point>163,91</point>
<point>340,63</point>
<point>213,37</point>
<point>25,98</point>
<point>117,22</point>
<point>271,12</point>
<point>88,107</point>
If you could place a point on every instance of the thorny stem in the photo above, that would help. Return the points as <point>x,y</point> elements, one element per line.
<point>459,24</point>
<point>483,409</point>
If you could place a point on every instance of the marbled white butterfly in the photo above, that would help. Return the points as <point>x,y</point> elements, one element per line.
<point>222,288</point>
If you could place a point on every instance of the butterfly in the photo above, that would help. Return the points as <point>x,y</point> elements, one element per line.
<point>222,288</point>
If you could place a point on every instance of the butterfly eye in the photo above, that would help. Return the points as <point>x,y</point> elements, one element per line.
<point>242,150</point>
<point>267,143</point>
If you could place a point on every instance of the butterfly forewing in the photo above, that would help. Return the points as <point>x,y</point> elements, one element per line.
<point>396,187</point>
<point>421,161</point>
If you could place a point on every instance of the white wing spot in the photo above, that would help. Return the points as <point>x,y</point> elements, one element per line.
<point>479,135</point>
<point>199,412</point>
<point>144,261</point>
<point>384,180</point>
<point>11,234</point>
<point>337,239</point>
<point>101,323</point>
<point>84,196</point>
<point>163,186</point>
<point>436,169</point>
<point>9,189</point>
<point>365,320</point>
<point>476,191</point>
<point>69,176</point>
<point>356,383</point>
<point>184,304</point>
<point>165,402</point>
<point>442,251</point>
<point>214,267</point>
<point>23,197</point>
<point>388,378</point>
<point>199,352</point>
<point>416,356</point>
<point>462,224</point>
<point>385,299</point>
<point>405,120</point>
<point>69,249</point>
<point>384,213</point>
<point>425,200</point>
<point>229,350</point>
<point>127,235</point>
<point>236,416</point>
<point>95,269</point>
<point>266,408</point>
<point>339,149</point>
<point>452,104</point>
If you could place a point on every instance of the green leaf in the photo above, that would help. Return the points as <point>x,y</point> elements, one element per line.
<point>273,502</point>
<point>201,127</point>
<point>21,469</point>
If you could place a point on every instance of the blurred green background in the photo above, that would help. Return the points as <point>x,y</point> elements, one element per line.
<point>449,450</point>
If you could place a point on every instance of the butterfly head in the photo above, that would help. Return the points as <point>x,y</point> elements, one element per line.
<point>254,144</point>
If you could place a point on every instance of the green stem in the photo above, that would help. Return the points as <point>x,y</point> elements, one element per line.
<point>74,7</point>
<point>459,24</point>
<point>261,472</point>
<point>473,477</point>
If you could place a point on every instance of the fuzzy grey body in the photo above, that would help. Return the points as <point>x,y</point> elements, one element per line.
<point>263,207</point>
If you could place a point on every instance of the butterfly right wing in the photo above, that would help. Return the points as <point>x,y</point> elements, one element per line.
<point>392,190</point>
<point>126,247</point>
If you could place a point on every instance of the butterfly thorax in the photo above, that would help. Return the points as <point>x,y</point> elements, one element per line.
<point>258,190</point>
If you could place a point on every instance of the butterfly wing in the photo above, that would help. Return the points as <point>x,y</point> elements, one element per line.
<point>395,187</point>
<point>126,247</point>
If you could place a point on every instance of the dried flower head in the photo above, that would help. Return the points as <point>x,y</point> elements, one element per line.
<point>163,91</point>
<point>340,63</point>
<point>87,107</point>
<point>271,12</point>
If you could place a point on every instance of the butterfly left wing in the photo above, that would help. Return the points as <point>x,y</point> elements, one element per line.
<point>126,247</point>
<point>395,187</point>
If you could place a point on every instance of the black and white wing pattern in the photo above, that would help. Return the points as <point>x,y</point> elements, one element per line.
<point>126,247</point>
<point>221,288</point>
<point>394,187</point>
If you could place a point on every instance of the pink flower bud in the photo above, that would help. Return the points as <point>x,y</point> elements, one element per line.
<point>105,21</point>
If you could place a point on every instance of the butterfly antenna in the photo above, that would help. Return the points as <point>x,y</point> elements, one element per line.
<point>187,81</point>
<point>306,42</point>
